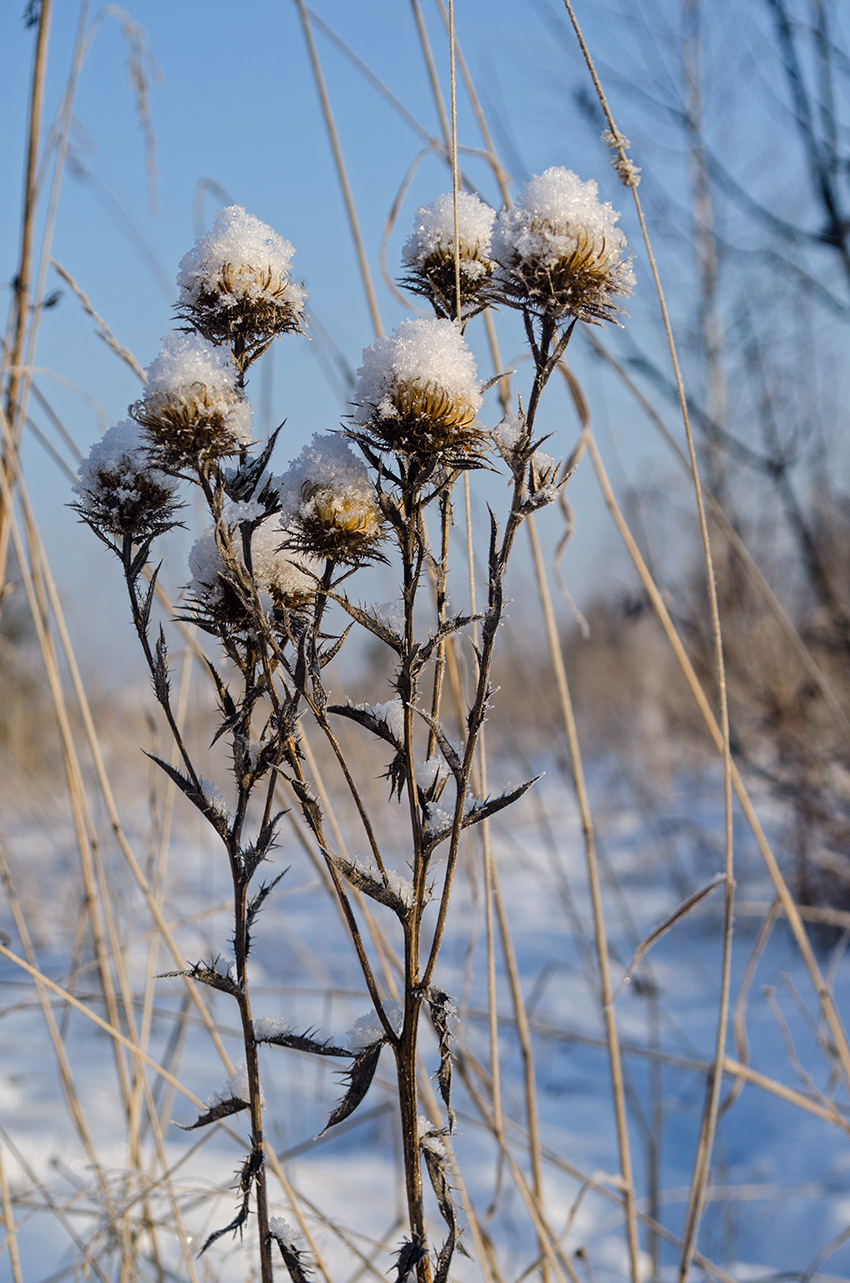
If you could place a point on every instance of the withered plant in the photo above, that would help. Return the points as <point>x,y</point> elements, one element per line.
<point>270,587</point>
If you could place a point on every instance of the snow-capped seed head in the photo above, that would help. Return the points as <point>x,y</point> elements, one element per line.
<point>328,498</point>
<point>285,577</point>
<point>236,285</point>
<point>429,253</point>
<point>192,408</point>
<point>119,491</point>
<point>416,391</point>
<point>559,251</point>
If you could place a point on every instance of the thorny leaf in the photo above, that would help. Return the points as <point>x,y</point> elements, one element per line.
<point>479,811</point>
<point>366,718</point>
<point>303,1042</point>
<point>255,904</point>
<point>216,819</point>
<point>448,751</point>
<point>240,485</point>
<point>222,1110</point>
<point>309,805</point>
<point>225,699</point>
<point>206,974</point>
<point>331,652</point>
<point>435,1161</point>
<point>409,1255</point>
<point>369,622</point>
<point>359,1078</point>
<point>373,887</point>
<point>298,1271</point>
<point>235,1225</point>
<point>441,1006</point>
<point>160,672</point>
<point>447,629</point>
<point>147,603</point>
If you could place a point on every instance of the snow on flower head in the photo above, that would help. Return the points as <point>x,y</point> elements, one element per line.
<point>429,253</point>
<point>328,499</point>
<point>417,393</point>
<point>191,407</point>
<point>559,251</point>
<point>119,491</point>
<point>283,576</point>
<point>235,283</point>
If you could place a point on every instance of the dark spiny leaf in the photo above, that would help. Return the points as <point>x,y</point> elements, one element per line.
<point>216,819</point>
<point>298,1271</point>
<point>206,974</point>
<point>224,1108</point>
<point>325,656</point>
<point>359,1078</point>
<point>303,1042</point>
<point>161,684</point>
<point>309,805</point>
<point>441,1006</point>
<point>147,603</point>
<point>366,717</point>
<point>371,886</point>
<point>225,699</point>
<point>369,622</point>
<point>482,810</point>
<point>451,626</point>
<point>235,1225</point>
<point>408,1256</point>
<point>257,901</point>
<point>446,748</point>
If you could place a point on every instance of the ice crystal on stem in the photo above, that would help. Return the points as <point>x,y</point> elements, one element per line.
<point>429,253</point>
<point>328,499</point>
<point>417,394</point>
<point>192,409</point>
<point>119,491</point>
<point>559,252</point>
<point>236,285</point>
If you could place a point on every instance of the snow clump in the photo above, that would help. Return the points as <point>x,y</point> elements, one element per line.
<point>282,576</point>
<point>192,407</point>
<point>328,498</point>
<point>559,250</point>
<point>417,390</point>
<point>367,1029</point>
<point>119,490</point>
<point>236,280</point>
<point>429,253</point>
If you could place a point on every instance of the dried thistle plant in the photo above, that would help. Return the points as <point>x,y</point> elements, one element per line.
<point>268,584</point>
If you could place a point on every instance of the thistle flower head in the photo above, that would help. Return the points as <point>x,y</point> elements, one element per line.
<point>429,253</point>
<point>417,394</point>
<point>328,499</point>
<point>559,252</point>
<point>236,285</point>
<point>119,491</point>
<point>282,576</point>
<point>192,408</point>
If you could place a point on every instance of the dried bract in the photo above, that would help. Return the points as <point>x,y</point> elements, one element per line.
<point>429,253</point>
<point>236,286</point>
<point>328,499</point>
<point>192,410</point>
<point>120,492</point>
<point>417,394</point>
<point>559,253</point>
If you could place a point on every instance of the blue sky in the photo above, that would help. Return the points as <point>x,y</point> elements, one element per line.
<point>236,117</point>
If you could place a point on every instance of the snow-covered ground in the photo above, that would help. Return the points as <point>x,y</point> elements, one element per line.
<point>780,1189</point>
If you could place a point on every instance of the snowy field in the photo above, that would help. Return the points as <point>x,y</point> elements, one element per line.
<point>779,1197</point>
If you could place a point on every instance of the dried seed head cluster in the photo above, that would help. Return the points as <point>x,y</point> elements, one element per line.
<point>192,408</point>
<point>235,283</point>
<point>417,394</point>
<point>287,578</point>
<point>119,492</point>
<point>329,501</point>
<point>429,254</point>
<point>559,252</point>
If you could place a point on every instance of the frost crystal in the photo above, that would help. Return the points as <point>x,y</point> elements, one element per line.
<point>429,253</point>
<point>119,490</point>
<point>191,407</point>
<point>367,1029</point>
<point>236,1088</point>
<point>509,435</point>
<point>266,1027</point>
<point>327,497</point>
<point>391,714</point>
<point>417,390</point>
<point>559,251</point>
<point>236,283</point>
<point>214,797</point>
<point>283,1231</point>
